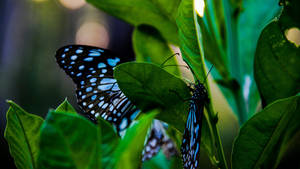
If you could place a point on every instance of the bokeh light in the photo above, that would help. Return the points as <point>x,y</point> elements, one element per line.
<point>73,4</point>
<point>293,35</point>
<point>199,7</point>
<point>92,33</point>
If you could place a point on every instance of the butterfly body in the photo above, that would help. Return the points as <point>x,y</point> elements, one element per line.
<point>98,93</point>
<point>190,148</point>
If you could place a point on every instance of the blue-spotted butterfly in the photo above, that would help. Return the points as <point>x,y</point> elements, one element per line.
<point>158,140</point>
<point>98,94</point>
<point>190,147</point>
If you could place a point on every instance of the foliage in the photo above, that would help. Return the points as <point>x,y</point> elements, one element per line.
<point>259,146</point>
<point>67,140</point>
<point>243,39</point>
<point>22,134</point>
<point>276,59</point>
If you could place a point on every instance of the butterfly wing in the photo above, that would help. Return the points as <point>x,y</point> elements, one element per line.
<point>158,139</point>
<point>98,93</point>
<point>169,147</point>
<point>153,144</point>
<point>190,147</point>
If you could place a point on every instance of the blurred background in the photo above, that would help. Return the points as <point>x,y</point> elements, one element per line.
<point>31,32</point>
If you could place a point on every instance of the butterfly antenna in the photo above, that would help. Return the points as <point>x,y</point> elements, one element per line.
<point>177,66</point>
<point>161,65</point>
<point>208,72</point>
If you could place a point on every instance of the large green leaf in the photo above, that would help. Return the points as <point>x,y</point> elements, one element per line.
<point>148,86</point>
<point>277,72</point>
<point>137,12</point>
<point>109,141</point>
<point>190,38</point>
<point>167,8</point>
<point>69,141</point>
<point>22,135</point>
<point>150,46</point>
<point>260,139</point>
<point>66,107</point>
<point>289,153</point>
<point>129,151</point>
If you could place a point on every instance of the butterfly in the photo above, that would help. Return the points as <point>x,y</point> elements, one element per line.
<point>190,147</point>
<point>158,140</point>
<point>98,93</point>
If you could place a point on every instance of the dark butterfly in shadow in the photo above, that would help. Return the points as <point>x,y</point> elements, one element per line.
<point>190,147</point>
<point>191,139</point>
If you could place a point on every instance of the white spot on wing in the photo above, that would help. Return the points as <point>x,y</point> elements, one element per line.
<point>108,80</point>
<point>124,124</point>
<point>81,67</point>
<point>113,62</point>
<point>74,57</point>
<point>88,59</point>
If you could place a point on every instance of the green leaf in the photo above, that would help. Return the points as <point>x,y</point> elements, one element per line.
<point>137,12</point>
<point>289,153</point>
<point>167,8</point>
<point>190,38</point>
<point>129,151</point>
<point>176,162</point>
<point>259,140</point>
<point>109,140</point>
<point>148,86</point>
<point>22,135</point>
<point>277,72</point>
<point>149,46</point>
<point>66,107</point>
<point>69,141</point>
<point>159,161</point>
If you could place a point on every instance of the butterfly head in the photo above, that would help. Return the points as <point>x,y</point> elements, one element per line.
<point>200,93</point>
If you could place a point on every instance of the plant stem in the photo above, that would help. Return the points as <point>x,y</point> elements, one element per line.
<point>241,105</point>
<point>212,118</point>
